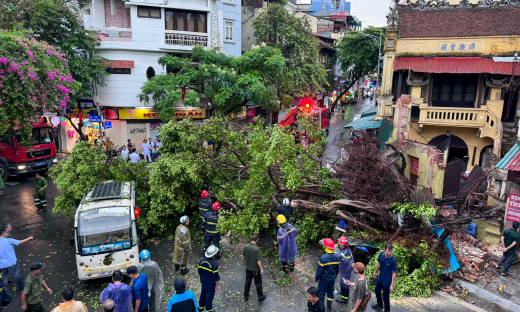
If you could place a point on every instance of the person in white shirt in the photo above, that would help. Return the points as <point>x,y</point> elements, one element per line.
<point>146,150</point>
<point>134,157</point>
<point>124,153</point>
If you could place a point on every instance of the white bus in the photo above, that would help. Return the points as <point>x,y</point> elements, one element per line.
<point>105,233</point>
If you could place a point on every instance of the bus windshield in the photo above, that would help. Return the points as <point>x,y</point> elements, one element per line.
<point>39,136</point>
<point>104,230</point>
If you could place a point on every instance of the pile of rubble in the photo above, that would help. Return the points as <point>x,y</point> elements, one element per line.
<point>476,259</point>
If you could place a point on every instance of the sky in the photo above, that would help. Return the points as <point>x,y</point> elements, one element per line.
<point>371,12</point>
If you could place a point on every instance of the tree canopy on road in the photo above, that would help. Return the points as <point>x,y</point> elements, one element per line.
<point>280,29</point>
<point>34,79</point>
<point>247,166</point>
<point>357,55</point>
<point>228,83</point>
<point>87,166</point>
<point>56,22</point>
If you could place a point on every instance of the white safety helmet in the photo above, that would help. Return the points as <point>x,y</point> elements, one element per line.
<point>211,251</point>
<point>286,201</point>
<point>184,219</point>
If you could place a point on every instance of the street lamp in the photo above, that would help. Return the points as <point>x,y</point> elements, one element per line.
<point>378,53</point>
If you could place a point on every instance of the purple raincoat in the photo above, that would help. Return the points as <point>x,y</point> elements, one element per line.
<point>121,294</point>
<point>345,264</point>
<point>287,243</point>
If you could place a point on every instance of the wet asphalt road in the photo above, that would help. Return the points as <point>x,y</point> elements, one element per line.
<point>51,246</point>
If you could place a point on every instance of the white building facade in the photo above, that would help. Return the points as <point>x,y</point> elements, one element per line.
<point>134,34</point>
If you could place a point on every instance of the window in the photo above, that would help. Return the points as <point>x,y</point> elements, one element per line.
<point>229,30</point>
<point>454,90</point>
<point>150,72</point>
<point>148,12</point>
<point>181,20</point>
<point>119,71</point>
<point>112,7</point>
<point>337,6</point>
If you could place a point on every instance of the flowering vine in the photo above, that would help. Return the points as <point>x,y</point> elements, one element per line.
<point>34,80</point>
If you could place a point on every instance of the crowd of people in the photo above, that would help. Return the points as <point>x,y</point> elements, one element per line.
<point>145,293</point>
<point>150,150</point>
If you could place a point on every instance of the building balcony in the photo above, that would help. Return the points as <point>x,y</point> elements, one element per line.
<point>113,34</point>
<point>481,118</point>
<point>173,38</point>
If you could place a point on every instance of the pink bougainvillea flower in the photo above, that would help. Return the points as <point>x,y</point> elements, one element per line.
<point>3,60</point>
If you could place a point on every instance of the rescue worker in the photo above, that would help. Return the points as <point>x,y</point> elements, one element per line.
<point>5,295</point>
<point>328,268</point>
<point>155,280</point>
<point>182,251</point>
<point>345,267</point>
<point>209,278</point>
<point>285,209</point>
<point>40,195</point>
<point>209,225</point>
<point>205,205</point>
<point>286,238</point>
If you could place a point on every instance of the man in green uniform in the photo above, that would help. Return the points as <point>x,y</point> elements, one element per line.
<point>182,250</point>
<point>32,291</point>
<point>509,242</point>
<point>40,196</point>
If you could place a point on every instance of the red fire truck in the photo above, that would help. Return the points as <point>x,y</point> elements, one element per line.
<point>36,155</point>
<point>321,115</point>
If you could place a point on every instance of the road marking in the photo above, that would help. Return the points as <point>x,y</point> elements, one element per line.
<point>12,183</point>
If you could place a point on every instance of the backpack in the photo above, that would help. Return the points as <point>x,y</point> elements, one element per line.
<point>367,298</point>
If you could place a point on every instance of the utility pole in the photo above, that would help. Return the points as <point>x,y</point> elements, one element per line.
<point>378,60</point>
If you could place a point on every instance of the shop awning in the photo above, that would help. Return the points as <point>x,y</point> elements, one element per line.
<point>366,121</point>
<point>512,159</point>
<point>453,65</point>
<point>119,64</point>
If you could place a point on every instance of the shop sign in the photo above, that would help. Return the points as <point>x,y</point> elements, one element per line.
<point>86,104</point>
<point>150,114</point>
<point>513,207</point>
<point>95,118</point>
<point>107,125</point>
<point>415,166</point>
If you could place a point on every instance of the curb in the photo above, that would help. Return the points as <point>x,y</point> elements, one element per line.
<point>463,303</point>
<point>489,296</point>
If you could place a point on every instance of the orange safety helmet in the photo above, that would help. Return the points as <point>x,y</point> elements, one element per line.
<point>216,206</point>
<point>343,241</point>
<point>329,243</point>
<point>204,194</point>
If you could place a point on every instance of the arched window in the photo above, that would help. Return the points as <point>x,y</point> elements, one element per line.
<point>150,72</point>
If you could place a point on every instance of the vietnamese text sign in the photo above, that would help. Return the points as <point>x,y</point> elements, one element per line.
<point>95,118</point>
<point>107,125</point>
<point>150,114</point>
<point>513,207</point>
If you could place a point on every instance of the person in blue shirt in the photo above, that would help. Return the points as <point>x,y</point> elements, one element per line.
<point>8,261</point>
<point>387,265</point>
<point>139,289</point>
<point>183,300</point>
<point>209,278</point>
<point>328,269</point>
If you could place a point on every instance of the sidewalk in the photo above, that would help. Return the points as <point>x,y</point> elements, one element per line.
<point>503,291</point>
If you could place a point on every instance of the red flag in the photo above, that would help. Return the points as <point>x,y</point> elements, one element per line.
<point>183,93</point>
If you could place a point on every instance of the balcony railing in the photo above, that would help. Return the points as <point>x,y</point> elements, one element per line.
<point>480,118</point>
<point>113,34</point>
<point>186,40</point>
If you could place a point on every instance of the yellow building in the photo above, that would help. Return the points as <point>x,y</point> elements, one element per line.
<point>455,59</point>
